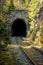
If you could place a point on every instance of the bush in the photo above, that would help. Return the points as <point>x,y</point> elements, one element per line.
<point>7,59</point>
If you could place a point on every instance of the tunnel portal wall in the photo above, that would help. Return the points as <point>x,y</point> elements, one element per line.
<point>13,15</point>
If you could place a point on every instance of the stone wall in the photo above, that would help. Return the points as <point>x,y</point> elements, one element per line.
<point>12,15</point>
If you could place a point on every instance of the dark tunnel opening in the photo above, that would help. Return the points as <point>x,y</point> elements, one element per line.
<point>19,28</point>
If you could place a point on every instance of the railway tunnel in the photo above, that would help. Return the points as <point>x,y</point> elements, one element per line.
<point>19,28</point>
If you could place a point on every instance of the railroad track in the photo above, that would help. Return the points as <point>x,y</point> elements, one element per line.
<point>38,50</point>
<point>28,57</point>
<point>34,56</point>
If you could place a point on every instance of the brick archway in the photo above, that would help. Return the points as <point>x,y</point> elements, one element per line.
<point>18,28</point>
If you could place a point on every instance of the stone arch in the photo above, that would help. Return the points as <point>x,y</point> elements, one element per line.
<point>19,28</point>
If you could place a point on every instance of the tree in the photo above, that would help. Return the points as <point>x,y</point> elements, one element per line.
<point>11,6</point>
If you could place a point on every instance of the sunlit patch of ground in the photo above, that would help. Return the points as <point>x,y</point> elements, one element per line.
<point>13,46</point>
<point>16,46</point>
<point>26,46</point>
<point>10,46</point>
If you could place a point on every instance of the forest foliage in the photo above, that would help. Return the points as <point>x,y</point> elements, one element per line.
<point>33,6</point>
<point>35,33</point>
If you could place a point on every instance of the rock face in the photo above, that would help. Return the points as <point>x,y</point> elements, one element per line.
<point>15,14</point>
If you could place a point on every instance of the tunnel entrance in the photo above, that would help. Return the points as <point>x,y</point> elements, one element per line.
<point>19,28</point>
